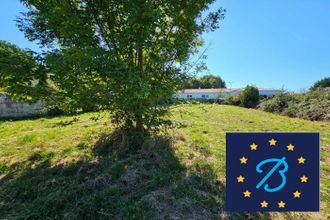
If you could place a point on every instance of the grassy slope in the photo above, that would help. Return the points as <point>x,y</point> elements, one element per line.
<point>65,168</point>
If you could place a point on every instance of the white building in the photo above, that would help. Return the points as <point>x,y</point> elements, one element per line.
<point>217,93</point>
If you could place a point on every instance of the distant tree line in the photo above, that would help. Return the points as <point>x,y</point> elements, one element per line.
<point>204,82</point>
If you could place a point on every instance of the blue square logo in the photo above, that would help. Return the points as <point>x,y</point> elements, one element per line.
<point>272,172</point>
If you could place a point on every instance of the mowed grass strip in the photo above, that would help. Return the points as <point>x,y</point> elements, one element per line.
<point>65,167</point>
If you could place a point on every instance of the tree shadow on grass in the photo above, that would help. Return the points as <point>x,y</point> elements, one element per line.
<point>116,182</point>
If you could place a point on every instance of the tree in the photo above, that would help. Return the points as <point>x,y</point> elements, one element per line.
<point>195,83</point>
<point>205,82</point>
<point>21,74</point>
<point>123,56</point>
<point>211,81</point>
<point>249,97</point>
<point>24,76</point>
<point>190,82</point>
<point>323,83</point>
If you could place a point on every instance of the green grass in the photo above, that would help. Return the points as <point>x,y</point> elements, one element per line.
<point>66,167</point>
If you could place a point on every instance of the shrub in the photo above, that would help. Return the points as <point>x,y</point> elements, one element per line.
<point>193,101</point>
<point>249,97</point>
<point>278,102</point>
<point>233,100</point>
<point>313,105</point>
<point>323,83</point>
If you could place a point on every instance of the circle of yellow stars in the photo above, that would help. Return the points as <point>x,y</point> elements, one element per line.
<point>264,203</point>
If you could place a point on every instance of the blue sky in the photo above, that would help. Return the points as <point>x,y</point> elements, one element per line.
<point>274,44</point>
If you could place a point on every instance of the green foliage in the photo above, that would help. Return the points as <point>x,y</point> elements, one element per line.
<point>279,102</point>
<point>2,91</point>
<point>323,83</point>
<point>128,57</point>
<point>3,168</point>
<point>313,105</point>
<point>233,100</point>
<point>21,73</point>
<point>249,97</point>
<point>210,81</point>
<point>204,82</point>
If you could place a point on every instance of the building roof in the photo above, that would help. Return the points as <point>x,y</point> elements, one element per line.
<point>221,90</point>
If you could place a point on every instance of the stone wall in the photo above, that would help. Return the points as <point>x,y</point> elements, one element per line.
<point>12,109</point>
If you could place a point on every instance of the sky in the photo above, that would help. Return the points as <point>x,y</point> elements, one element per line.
<point>276,44</point>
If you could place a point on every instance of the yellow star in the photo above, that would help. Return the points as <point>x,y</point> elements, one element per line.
<point>253,146</point>
<point>243,160</point>
<point>290,147</point>
<point>301,160</point>
<point>304,179</point>
<point>296,194</point>
<point>264,204</point>
<point>281,204</point>
<point>272,142</point>
<point>240,179</point>
<point>247,193</point>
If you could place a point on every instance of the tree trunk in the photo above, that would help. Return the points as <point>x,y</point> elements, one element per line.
<point>140,58</point>
<point>139,124</point>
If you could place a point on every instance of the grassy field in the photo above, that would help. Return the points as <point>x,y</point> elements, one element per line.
<point>68,167</point>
